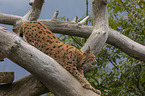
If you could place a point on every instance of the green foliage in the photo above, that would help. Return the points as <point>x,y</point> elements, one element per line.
<point>117,74</point>
<point>49,94</point>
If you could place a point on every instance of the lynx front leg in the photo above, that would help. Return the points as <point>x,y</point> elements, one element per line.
<point>73,70</point>
<point>81,70</point>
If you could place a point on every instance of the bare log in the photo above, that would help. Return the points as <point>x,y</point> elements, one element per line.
<point>43,67</point>
<point>26,86</point>
<point>6,77</point>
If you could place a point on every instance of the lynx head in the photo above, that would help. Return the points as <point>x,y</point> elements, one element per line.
<point>88,58</point>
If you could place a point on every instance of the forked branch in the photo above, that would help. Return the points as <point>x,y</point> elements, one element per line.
<point>35,11</point>
<point>32,15</point>
<point>99,34</point>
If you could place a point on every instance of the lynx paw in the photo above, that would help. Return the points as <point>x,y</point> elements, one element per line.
<point>97,91</point>
<point>87,86</point>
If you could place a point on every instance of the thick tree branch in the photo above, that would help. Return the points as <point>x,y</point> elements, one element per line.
<point>43,67</point>
<point>32,15</point>
<point>99,34</point>
<point>126,45</point>
<point>26,86</point>
<point>9,19</point>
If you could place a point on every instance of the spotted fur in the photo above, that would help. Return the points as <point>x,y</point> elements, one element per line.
<point>73,59</point>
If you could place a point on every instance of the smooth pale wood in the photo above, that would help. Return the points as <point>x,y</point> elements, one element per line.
<point>26,86</point>
<point>9,19</point>
<point>35,11</point>
<point>126,45</point>
<point>43,67</point>
<point>99,34</point>
<point>6,77</point>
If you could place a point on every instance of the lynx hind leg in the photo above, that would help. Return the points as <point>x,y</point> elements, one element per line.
<point>73,70</point>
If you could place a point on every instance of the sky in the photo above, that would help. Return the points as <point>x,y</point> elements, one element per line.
<point>67,8</point>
